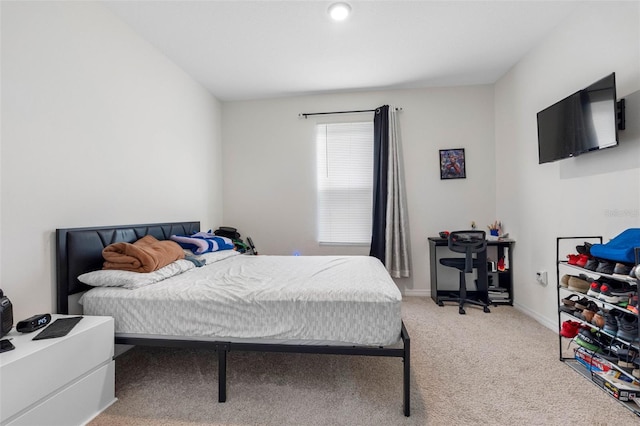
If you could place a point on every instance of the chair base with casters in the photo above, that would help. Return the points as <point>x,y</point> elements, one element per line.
<point>470,243</point>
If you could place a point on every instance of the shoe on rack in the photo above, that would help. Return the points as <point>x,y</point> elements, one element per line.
<point>582,260</point>
<point>628,327</point>
<point>578,314</point>
<point>577,259</point>
<point>609,354</point>
<point>633,303</point>
<point>588,340</point>
<point>569,300</point>
<point>572,259</point>
<point>611,321</point>
<point>626,356</point>
<point>622,270</point>
<point>616,291</point>
<point>594,287</point>
<point>598,319</point>
<point>564,281</point>
<point>570,329</point>
<point>589,313</point>
<point>592,264</point>
<point>605,267</point>
<point>634,273</point>
<point>582,303</point>
<point>585,249</point>
<point>636,368</point>
<point>579,284</point>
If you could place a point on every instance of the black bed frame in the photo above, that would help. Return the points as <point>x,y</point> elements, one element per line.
<point>79,250</point>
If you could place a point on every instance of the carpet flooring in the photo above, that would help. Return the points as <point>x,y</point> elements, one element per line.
<point>500,368</point>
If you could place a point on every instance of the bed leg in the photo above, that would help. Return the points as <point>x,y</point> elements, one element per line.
<point>222,372</point>
<point>406,359</point>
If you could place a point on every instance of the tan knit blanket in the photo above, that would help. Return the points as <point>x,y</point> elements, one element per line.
<point>145,255</point>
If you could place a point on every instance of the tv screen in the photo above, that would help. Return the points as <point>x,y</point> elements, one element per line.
<point>582,122</point>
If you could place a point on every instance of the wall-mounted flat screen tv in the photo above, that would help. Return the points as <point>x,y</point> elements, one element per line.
<point>582,122</point>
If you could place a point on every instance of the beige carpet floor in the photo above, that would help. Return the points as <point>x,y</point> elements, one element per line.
<point>500,368</point>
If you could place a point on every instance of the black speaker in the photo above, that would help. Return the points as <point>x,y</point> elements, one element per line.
<point>6,314</point>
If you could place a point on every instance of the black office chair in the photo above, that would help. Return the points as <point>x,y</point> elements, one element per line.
<point>467,242</point>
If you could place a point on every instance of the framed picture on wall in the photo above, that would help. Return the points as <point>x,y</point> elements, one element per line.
<point>452,164</point>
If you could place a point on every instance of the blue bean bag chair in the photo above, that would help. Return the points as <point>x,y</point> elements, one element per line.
<point>620,248</point>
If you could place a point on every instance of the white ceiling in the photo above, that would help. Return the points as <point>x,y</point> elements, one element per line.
<point>262,49</point>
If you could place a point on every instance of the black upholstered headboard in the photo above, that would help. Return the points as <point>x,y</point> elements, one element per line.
<point>79,250</point>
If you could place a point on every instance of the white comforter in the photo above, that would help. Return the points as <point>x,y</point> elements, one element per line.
<point>283,299</point>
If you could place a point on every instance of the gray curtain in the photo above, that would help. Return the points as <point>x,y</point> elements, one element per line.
<point>390,234</point>
<point>397,232</point>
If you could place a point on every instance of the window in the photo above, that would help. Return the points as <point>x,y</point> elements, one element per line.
<point>344,182</point>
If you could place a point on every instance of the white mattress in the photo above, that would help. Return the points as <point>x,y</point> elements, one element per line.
<point>285,299</point>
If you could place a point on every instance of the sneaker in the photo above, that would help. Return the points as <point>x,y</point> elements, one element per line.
<point>608,354</point>
<point>592,264</point>
<point>605,267</point>
<point>616,348</point>
<point>626,356</point>
<point>616,291</point>
<point>594,288</point>
<point>578,284</point>
<point>572,259</point>
<point>611,321</point>
<point>621,270</point>
<point>588,340</point>
<point>633,273</point>
<point>582,260</point>
<point>628,327</point>
<point>578,259</point>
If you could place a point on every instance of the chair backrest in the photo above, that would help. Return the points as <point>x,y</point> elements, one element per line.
<point>468,242</point>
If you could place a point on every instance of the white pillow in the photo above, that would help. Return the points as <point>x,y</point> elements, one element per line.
<point>133,280</point>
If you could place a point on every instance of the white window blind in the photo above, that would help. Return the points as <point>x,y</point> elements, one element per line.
<point>345,182</point>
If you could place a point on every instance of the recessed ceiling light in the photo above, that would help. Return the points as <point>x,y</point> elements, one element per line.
<point>339,11</point>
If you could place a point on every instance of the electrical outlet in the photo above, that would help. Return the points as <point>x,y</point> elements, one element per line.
<point>541,277</point>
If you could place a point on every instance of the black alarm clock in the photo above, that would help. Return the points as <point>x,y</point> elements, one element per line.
<point>33,323</point>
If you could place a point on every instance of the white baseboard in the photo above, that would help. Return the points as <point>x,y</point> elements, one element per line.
<point>544,321</point>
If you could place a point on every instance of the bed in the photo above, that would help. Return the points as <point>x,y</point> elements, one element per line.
<point>346,305</point>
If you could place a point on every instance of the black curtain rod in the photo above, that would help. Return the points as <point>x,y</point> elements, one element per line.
<point>306,114</point>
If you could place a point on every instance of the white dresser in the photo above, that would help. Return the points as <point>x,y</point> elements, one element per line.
<point>62,381</point>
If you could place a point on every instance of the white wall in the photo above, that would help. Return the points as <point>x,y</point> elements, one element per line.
<point>98,128</point>
<point>594,194</point>
<point>269,156</point>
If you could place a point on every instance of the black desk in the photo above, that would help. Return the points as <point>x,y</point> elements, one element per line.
<point>502,279</point>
